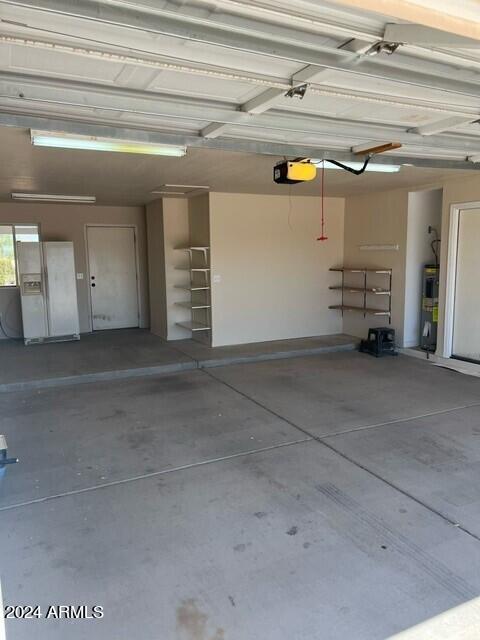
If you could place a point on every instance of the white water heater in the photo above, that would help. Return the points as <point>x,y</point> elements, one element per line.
<point>48,290</point>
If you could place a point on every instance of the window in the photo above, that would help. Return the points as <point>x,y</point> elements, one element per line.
<point>10,234</point>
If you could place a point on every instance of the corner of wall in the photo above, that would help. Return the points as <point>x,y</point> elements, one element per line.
<point>156,268</point>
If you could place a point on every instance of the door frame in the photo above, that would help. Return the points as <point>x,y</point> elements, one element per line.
<point>87,262</point>
<point>451,275</point>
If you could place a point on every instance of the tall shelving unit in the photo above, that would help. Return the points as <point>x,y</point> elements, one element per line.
<point>198,286</point>
<point>365,291</point>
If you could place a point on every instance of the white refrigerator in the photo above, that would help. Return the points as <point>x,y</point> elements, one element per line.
<point>48,291</point>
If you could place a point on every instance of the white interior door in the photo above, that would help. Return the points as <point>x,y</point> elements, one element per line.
<point>466,326</point>
<point>113,277</point>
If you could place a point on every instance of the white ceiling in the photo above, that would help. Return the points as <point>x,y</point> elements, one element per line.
<point>186,71</point>
<point>128,179</point>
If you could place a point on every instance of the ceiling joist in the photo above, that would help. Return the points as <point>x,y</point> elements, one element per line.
<point>445,124</point>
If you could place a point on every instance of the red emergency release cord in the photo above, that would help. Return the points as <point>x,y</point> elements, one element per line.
<point>323,236</point>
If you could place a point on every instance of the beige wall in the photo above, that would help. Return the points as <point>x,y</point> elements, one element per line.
<point>156,268</point>
<point>274,274</point>
<point>377,219</point>
<point>199,220</point>
<point>67,222</point>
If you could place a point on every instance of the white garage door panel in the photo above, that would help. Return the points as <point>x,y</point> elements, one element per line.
<point>113,277</point>
<point>466,330</point>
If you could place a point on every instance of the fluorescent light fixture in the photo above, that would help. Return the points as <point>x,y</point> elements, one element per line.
<point>380,168</point>
<point>169,193</point>
<point>184,186</point>
<point>92,143</point>
<point>180,189</point>
<point>53,197</point>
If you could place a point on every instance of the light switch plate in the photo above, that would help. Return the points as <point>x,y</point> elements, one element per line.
<point>79,276</point>
<point>216,278</point>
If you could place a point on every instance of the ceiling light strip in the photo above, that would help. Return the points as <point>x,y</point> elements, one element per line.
<point>53,197</point>
<point>168,193</point>
<point>185,186</point>
<point>92,143</point>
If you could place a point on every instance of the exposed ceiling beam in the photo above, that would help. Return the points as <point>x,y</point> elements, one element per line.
<point>214,129</point>
<point>439,126</point>
<point>263,102</point>
<point>311,72</point>
<point>225,144</point>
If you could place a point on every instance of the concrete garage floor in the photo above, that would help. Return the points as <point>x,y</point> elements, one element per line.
<point>331,497</point>
<point>129,353</point>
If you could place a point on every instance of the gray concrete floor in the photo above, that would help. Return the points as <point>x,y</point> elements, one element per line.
<point>127,353</point>
<point>332,497</point>
<point>273,350</point>
<point>101,352</point>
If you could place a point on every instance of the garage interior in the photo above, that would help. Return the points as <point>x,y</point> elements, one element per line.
<point>206,451</point>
